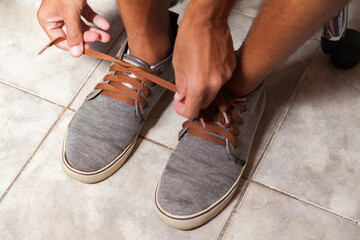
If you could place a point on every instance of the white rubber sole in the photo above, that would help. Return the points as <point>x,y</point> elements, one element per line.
<point>101,174</point>
<point>187,222</point>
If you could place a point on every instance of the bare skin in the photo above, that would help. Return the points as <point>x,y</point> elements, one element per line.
<point>147,24</point>
<point>60,18</point>
<point>204,58</point>
<point>278,30</point>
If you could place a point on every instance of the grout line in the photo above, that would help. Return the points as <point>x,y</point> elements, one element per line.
<point>157,143</point>
<point>316,38</point>
<point>271,138</point>
<point>242,13</point>
<point>284,113</point>
<point>56,121</point>
<point>353,221</point>
<point>32,155</point>
<point>234,210</point>
<point>31,93</point>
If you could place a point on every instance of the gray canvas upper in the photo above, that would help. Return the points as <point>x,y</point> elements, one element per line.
<point>103,127</point>
<point>200,172</point>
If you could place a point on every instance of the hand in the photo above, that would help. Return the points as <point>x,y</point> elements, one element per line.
<point>62,18</point>
<point>203,60</point>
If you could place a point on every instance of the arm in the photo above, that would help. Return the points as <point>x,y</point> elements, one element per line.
<point>204,57</point>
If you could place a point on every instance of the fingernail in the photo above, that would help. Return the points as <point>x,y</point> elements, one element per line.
<point>76,51</point>
<point>176,97</point>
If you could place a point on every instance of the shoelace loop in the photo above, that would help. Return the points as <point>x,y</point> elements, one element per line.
<point>145,78</point>
<point>217,119</point>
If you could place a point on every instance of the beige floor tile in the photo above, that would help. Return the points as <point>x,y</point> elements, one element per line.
<point>248,7</point>
<point>315,153</point>
<point>53,75</point>
<point>24,121</point>
<point>122,207</point>
<point>265,214</point>
<point>354,17</point>
<point>279,87</point>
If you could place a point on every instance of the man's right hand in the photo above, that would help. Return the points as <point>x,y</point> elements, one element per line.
<point>62,18</point>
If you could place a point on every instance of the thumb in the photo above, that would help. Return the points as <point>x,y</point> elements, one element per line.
<point>74,34</point>
<point>180,86</point>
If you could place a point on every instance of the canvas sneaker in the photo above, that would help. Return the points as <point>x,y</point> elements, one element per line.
<point>103,131</point>
<point>205,168</point>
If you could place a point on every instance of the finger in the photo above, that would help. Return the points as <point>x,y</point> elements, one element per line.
<point>92,34</point>
<point>180,85</point>
<point>192,105</point>
<point>74,34</point>
<point>210,95</point>
<point>208,98</point>
<point>53,28</point>
<point>95,18</point>
<point>55,33</point>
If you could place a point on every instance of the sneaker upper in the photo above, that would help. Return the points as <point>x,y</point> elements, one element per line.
<point>200,172</point>
<point>104,127</point>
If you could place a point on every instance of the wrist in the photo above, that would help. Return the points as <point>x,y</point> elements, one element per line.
<point>209,11</point>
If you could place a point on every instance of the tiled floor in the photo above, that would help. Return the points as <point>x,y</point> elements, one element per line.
<point>302,181</point>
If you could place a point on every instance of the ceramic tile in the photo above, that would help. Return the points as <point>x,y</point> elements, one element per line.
<point>53,75</point>
<point>239,26</point>
<point>248,7</point>
<point>315,152</point>
<point>279,87</point>
<point>164,124</point>
<point>121,207</point>
<point>354,17</point>
<point>265,214</point>
<point>22,129</point>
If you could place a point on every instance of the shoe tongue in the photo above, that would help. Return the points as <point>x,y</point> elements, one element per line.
<point>134,61</point>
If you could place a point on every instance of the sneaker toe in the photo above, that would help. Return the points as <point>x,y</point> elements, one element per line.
<point>101,130</point>
<point>194,179</point>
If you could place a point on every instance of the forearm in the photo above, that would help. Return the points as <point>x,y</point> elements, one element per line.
<point>209,11</point>
<point>279,29</point>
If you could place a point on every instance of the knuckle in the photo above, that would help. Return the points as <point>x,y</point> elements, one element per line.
<point>74,35</point>
<point>216,83</point>
<point>228,74</point>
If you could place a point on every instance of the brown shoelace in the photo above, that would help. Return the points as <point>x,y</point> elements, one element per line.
<point>217,119</point>
<point>145,78</point>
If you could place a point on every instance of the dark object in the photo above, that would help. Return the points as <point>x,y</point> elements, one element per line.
<point>341,43</point>
<point>344,53</point>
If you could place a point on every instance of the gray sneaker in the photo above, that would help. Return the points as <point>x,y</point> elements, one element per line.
<point>205,168</point>
<point>104,130</point>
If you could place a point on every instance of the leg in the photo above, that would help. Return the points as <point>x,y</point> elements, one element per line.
<point>148,27</point>
<point>278,30</point>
